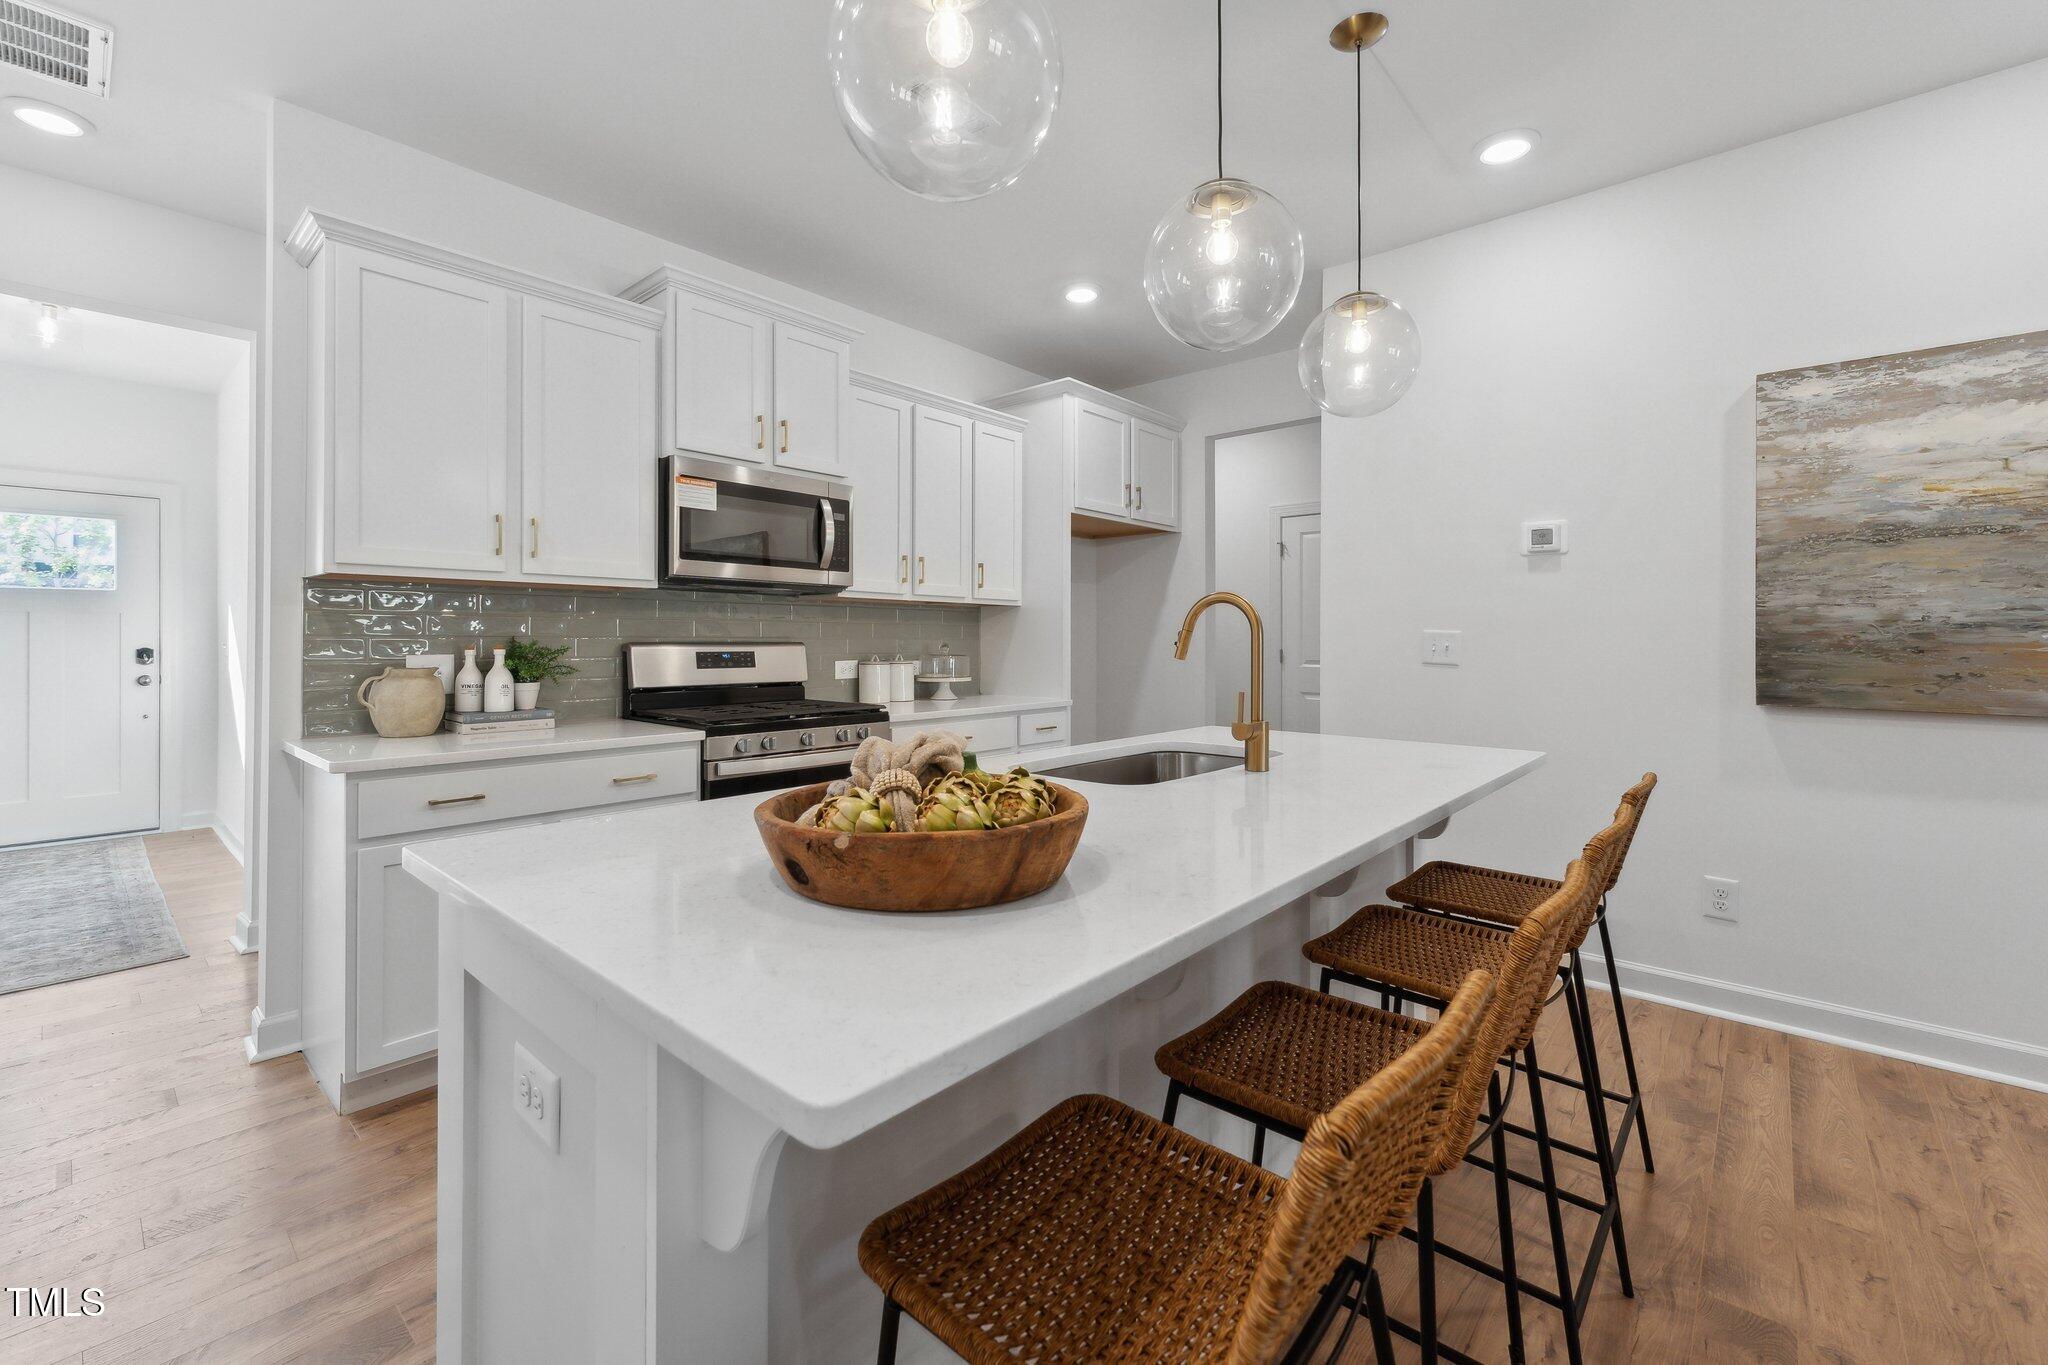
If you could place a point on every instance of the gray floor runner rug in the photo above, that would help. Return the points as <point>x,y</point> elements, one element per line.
<point>75,910</point>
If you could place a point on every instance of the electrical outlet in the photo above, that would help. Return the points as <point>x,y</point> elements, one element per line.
<point>1720,900</point>
<point>845,670</point>
<point>537,1096</point>
<point>1442,647</point>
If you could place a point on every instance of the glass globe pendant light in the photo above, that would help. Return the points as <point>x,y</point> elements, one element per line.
<point>948,98</point>
<point>1225,263</point>
<point>1359,355</point>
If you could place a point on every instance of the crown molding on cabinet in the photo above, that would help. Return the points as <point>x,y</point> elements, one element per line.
<point>909,394</point>
<point>1074,388</point>
<point>673,277</point>
<point>315,230</point>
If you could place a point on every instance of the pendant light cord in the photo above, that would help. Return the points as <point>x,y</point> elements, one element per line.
<point>1358,144</point>
<point>1219,89</point>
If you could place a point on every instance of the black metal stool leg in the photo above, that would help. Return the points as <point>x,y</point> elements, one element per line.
<point>1258,1144</point>
<point>1425,1270</point>
<point>1503,1209</point>
<point>1628,1051</point>
<point>1376,1314</point>
<point>1328,976</point>
<point>1596,1113</point>
<point>1559,1251</point>
<point>1172,1103</point>
<point>892,1314</point>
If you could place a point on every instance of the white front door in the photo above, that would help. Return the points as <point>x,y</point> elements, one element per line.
<point>1300,546</point>
<point>80,698</point>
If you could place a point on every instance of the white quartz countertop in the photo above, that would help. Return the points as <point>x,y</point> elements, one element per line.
<point>994,703</point>
<point>374,753</point>
<point>828,1022</point>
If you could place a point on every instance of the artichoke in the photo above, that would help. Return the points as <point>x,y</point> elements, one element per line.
<point>956,783</point>
<point>942,812</point>
<point>855,811</point>
<point>1017,805</point>
<point>1026,780</point>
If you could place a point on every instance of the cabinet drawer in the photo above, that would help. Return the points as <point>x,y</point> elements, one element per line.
<point>1044,727</point>
<point>984,734</point>
<point>446,798</point>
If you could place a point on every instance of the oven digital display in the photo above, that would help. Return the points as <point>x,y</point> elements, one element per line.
<point>725,658</point>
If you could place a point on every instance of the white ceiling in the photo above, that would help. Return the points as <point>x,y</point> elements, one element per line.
<point>712,124</point>
<point>117,348</point>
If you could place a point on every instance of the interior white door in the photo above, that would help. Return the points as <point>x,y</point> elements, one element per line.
<point>810,399</point>
<point>1300,546</point>
<point>1155,474</point>
<point>1102,460</point>
<point>721,360</point>
<point>80,683</point>
<point>998,514</point>
<point>878,468</point>
<point>587,457</point>
<point>939,500</point>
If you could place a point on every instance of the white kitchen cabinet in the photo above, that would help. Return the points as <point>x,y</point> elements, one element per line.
<point>878,467</point>
<point>998,522</point>
<point>941,506</point>
<point>1121,459</point>
<point>587,409</point>
<point>474,422</point>
<point>749,378</point>
<point>397,954</point>
<point>1155,473</point>
<point>994,727</point>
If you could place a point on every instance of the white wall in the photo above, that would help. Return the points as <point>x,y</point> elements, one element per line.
<point>1083,624</point>
<point>1252,475</point>
<point>233,604</point>
<point>1594,360</point>
<point>83,427</point>
<point>319,163</point>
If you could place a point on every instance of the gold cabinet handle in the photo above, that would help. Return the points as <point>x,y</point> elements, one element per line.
<point>904,577</point>
<point>1141,497</point>
<point>498,519</point>
<point>629,781</point>
<point>760,432</point>
<point>456,800</point>
<point>1045,729</point>
<point>1127,495</point>
<point>534,553</point>
<point>920,579</point>
<point>784,424</point>
<point>981,575</point>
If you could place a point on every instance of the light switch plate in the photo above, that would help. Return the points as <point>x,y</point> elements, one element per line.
<point>1442,647</point>
<point>846,670</point>
<point>442,664</point>
<point>537,1097</point>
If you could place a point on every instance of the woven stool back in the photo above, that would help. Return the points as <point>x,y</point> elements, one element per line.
<point>1360,1167</point>
<point>1603,855</point>
<point>1534,950</point>
<point>1632,803</point>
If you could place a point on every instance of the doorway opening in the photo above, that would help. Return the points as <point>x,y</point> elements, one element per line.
<point>1266,543</point>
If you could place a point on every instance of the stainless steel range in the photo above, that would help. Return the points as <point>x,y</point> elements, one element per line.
<point>760,732</point>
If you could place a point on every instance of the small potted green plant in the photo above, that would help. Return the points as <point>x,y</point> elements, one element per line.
<point>532,664</point>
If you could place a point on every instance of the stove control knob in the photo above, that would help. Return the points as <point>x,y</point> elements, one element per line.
<point>767,743</point>
<point>842,734</point>
<point>807,739</point>
<point>861,733</point>
<point>739,746</point>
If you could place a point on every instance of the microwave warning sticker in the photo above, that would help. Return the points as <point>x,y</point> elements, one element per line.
<point>701,494</point>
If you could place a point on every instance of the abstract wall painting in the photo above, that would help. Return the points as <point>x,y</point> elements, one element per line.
<point>1902,531</point>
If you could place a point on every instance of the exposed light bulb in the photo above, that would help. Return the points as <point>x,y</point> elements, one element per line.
<point>1082,293</point>
<point>1502,148</point>
<point>949,37</point>
<point>1223,294</point>
<point>49,326</point>
<point>1357,337</point>
<point>941,104</point>
<point>1221,244</point>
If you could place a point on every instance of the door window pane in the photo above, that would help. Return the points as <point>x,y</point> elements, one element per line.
<point>44,550</point>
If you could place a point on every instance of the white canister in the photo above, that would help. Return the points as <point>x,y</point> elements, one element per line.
<point>903,679</point>
<point>877,681</point>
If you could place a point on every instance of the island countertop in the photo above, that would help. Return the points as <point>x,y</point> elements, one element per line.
<point>827,1022</point>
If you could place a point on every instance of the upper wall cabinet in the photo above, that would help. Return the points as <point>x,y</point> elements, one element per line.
<point>747,378</point>
<point>938,497</point>
<point>1122,459</point>
<point>472,421</point>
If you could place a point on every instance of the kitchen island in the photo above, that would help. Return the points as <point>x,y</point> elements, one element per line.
<point>745,1077</point>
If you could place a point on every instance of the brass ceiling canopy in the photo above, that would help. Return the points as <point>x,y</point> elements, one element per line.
<point>1359,32</point>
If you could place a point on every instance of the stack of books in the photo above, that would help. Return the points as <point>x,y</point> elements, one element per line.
<point>499,722</point>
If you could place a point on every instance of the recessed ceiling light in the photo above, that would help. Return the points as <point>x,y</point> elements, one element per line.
<point>1502,148</point>
<point>47,118</point>
<point>1081,293</point>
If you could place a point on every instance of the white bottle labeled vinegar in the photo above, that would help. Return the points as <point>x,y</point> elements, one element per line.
<point>469,685</point>
<point>498,686</point>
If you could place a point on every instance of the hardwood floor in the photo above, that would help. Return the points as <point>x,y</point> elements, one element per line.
<point>1811,1204</point>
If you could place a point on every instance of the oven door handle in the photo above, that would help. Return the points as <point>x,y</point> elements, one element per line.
<point>831,533</point>
<point>777,763</point>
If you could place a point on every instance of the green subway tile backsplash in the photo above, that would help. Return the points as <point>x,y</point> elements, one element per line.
<point>357,630</point>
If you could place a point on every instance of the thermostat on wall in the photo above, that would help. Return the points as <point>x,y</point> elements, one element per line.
<point>1543,538</point>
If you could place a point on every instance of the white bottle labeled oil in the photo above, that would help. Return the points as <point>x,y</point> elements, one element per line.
<point>498,686</point>
<point>469,685</point>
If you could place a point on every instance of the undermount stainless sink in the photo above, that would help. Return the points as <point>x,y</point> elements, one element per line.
<point>1145,769</point>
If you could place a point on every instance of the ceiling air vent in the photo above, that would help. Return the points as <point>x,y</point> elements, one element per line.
<point>56,46</point>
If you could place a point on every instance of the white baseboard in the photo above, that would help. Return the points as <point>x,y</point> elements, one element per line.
<point>246,937</point>
<point>2005,1060</point>
<point>229,840</point>
<point>271,1035</point>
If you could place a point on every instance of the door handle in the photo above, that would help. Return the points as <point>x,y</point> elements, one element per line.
<point>784,424</point>
<point>1141,497</point>
<point>981,575</point>
<point>145,655</point>
<point>142,680</point>
<point>1127,495</point>
<point>760,432</point>
<point>920,569</point>
<point>534,553</point>
<point>831,531</point>
<point>455,800</point>
<point>629,781</point>
<point>498,519</point>
<point>904,576</point>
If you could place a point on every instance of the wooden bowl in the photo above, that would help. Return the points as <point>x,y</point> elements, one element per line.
<point>961,870</point>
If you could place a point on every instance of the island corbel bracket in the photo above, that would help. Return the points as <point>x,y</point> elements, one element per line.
<point>735,1170</point>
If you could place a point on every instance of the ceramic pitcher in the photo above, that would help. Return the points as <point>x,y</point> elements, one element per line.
<point>403,702</point>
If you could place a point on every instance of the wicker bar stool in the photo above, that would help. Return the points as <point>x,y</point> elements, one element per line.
<point>1409,954</point>
<point>1495,897</point>
<point>1280,1054</point>
<point>1101,1234</point>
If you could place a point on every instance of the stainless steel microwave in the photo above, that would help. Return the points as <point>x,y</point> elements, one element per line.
<point>741,529</point>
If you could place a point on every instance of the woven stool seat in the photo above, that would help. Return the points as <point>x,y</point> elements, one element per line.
<point>1412,950</point>
<point>1286,1052</point>
<point>1479,892</point>
<point>1097,1233</point>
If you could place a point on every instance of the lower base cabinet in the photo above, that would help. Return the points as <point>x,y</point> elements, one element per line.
<point>1002,735</point>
